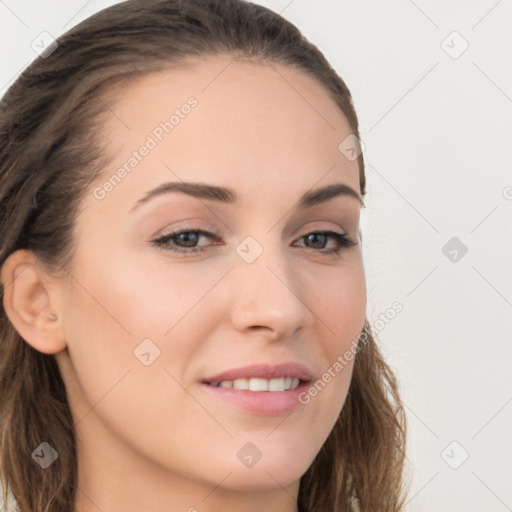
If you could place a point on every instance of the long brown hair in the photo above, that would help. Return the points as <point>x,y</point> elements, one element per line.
<point>50,156</point>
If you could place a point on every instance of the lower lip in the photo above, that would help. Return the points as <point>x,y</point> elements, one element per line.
<point>263,403</point>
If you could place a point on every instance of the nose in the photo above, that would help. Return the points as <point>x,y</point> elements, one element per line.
<point>268,297</point>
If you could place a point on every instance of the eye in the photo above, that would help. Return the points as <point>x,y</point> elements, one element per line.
<point>317,238</point>
<point>187,237</point>
<point>185,240</point>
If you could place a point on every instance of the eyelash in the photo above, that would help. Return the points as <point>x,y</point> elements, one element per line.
<point>343,240</point>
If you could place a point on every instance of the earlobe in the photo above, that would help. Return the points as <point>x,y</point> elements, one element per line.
<point>30,302</point>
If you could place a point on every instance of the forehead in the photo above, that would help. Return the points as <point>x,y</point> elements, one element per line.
<point>259,123</point>
<point>228,80</point>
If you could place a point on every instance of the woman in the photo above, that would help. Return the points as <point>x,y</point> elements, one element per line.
<point>183,322</point>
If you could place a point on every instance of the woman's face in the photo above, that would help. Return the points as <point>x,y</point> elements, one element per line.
<point>147,325</point>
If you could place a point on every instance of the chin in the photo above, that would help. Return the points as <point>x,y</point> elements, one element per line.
<point>270,471</point>
<point>260,480</point>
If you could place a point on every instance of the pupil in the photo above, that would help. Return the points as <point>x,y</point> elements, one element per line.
<point>188,238</point>
<point>312,237</point>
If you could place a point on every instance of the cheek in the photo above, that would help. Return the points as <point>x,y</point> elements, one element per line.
<point>155,298</point>
<point>111,324</point>
<point>340,307</point>
<point>341,313</point>
<point>120,311</point>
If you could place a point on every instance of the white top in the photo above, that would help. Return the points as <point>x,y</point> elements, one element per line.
<point>12,505</point>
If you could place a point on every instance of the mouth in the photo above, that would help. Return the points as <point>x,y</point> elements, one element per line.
<point>262,377</point>
<point>259,384</point>
<point>264,390</point>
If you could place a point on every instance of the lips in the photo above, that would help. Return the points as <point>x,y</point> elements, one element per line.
<point>262,371</point>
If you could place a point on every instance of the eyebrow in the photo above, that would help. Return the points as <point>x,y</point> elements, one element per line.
<point>229,196</point>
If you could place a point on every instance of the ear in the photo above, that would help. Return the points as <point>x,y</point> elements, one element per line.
<point>31,302</point>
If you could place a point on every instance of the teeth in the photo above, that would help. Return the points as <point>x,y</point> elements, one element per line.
<point>257,384</point>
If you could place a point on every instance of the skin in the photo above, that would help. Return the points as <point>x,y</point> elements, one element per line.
<point>150,437</point>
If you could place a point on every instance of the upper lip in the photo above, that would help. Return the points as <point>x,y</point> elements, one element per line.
<point>263,371</point>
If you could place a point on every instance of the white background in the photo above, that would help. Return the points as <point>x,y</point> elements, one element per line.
<point>438,136</point>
